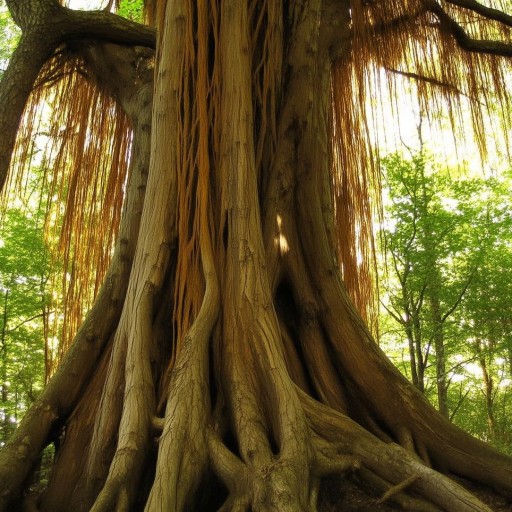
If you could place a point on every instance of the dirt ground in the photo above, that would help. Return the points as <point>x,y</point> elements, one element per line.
<point>344,495</point>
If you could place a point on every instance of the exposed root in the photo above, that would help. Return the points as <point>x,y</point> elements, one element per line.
<point>158,425</point>
<point>368,479</point>
<point>228,467</point>
<point>106,424</point>
<point>387,460</point>
<point>265,487</point>
<point>346,448</point>
<point>139,405</point>
<point>182,455</point>
<point>327,462</point>
<point>405,440</point>
<point>422,452</point>
<point>398,488</point>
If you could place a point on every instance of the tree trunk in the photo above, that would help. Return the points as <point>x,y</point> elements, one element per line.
<point>5,420</point>
<point>488,389</point>
<point>438,335</point>
<point>223,365</point>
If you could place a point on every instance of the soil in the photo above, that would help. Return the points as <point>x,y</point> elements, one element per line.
<point>344,494</point>
<point>495,501</point>
<point>337,494</point>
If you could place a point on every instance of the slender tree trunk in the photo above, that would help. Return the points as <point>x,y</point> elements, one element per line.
<point>412,359</point>
<point>5,391</point>
<point>510,360</point>
<point>421,358</point>
<point>441,377</point>
<point>409,325</point>
<point>488,390</point>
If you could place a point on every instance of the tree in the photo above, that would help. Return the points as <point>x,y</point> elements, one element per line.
<point>24,264</point>
<point>444,240</point>
<point>485,314</point>
<point>31,319</point>
<point>223,364</point>
<point>435,238</point>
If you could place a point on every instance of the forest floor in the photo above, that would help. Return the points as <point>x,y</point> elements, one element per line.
<point>346,495</point>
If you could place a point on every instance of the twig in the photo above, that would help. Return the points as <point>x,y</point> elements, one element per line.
<point>398,488</point>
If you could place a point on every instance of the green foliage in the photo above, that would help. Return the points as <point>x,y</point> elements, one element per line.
<point>9,36</point>
<point>131,9</point>
<point>448,292</point>
<point>25,271</point>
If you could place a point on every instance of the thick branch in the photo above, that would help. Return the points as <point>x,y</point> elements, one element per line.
<point>28,14</point>
<point>45,26</point>
<point>488,12</point>
<point>15,88</point>
<point>105,26</point>
<point>65,24</point>
<point>464,41</point>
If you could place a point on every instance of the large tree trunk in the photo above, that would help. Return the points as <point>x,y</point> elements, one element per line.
<point>223,365</point>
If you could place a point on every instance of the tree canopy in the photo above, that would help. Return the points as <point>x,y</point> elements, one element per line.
<point>441,236</point>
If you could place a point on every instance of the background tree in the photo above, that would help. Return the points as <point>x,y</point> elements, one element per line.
<point>24,264</point>
<point>435,242</point>
<point>486,318</point>
<point>31,302</point>
<point>223,364</point>
<point>445,238</point>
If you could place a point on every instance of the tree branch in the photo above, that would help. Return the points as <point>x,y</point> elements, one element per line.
<point>459,403</point>
<point>106,26</point>
<point>426,79</point>
<point>464,41</point>
<point>39,315</point>
<point>488,12</point>
<point>460,296</point>
<point>393,314</point>
<point>46,25</point>
<point>15,88</point>
<point>63,24</point>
